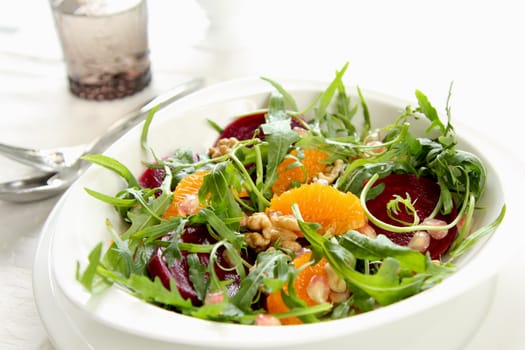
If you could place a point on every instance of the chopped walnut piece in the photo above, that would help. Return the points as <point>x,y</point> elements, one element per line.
<point>222,147</point>
<point>287,222</point>
<point>331,174</point>
<point>293,246</point>
<point>258,222</point>
<point>272,229</point>
<point>256,241</point>
<point>275,233</point>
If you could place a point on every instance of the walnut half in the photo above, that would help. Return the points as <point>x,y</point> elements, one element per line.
<point>273,229</point>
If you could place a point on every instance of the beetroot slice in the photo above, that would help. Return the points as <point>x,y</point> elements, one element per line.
<point>425,193</point>
<point>179,270</point>
<point>152,177</point>
<point>245,127</point>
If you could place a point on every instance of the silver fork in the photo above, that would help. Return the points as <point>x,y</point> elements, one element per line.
<point>63,166</point>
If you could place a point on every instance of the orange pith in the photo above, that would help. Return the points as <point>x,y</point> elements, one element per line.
<point>312,165</point>
<point>186,192</point>
<point>274,301</point>
<point>337,212</point>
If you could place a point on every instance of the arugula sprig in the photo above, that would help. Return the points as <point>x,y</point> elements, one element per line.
<point>279,137</point>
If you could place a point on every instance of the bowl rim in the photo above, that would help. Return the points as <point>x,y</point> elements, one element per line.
<point>483,265</point>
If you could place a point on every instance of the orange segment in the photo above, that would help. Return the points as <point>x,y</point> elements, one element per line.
<point>337,212</point>
<point>312,164</point>
<point>186,195</point>
<point>303,278</point>
<point>274,301</point>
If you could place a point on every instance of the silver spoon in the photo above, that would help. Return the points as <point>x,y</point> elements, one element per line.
<point>63,166</point>
<point>47,160</point>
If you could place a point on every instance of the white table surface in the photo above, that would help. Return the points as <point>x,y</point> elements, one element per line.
<point>392,46</point>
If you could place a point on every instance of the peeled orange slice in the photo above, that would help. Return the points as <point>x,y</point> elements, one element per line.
<point>274,301</point>
<point>337,212</point>
<point>312,164</point>
<point>186,195</point>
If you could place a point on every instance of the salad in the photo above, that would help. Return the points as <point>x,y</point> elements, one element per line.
<point>296,214</point>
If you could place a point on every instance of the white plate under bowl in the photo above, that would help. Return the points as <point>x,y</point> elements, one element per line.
<point>444,316</point>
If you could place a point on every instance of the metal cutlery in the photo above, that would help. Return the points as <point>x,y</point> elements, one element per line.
<point>63,166</point>
<point>47,160</point>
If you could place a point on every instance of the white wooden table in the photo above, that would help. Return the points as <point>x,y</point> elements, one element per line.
<point>392,46</point>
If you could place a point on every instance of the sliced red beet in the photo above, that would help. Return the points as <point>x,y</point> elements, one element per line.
<point>152,177</point>
<point>179,270</point>
<point>424,193</point>
<point>245,127</point>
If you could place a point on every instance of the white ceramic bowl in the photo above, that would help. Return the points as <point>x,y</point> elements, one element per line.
<point>443,317</point>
